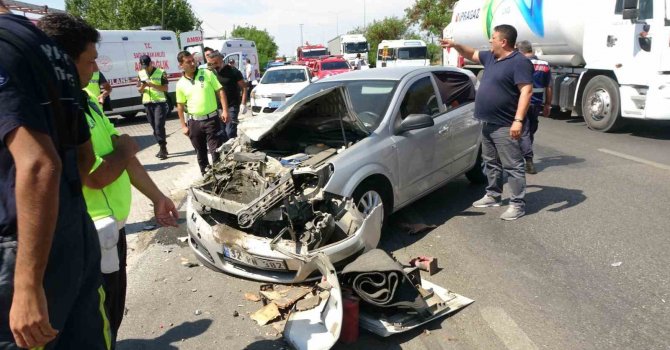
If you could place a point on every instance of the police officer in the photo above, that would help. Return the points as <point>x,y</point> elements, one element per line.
<point>197,91</point>
<point>152,83</point>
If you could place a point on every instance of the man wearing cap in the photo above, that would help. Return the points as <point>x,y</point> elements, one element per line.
<point>197,91</point>
<point>233,84</point>
<point>152,83</point>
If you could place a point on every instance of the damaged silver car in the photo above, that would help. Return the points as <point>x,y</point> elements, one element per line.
<point>322,173</point>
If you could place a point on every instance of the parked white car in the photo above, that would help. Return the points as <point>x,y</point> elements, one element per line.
<point>277,85</point>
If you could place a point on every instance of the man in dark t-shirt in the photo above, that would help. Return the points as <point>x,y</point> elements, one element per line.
<point>234,87</point>
<point>50,281</point>
<point>501,104</point>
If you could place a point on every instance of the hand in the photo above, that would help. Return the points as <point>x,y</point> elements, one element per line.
<point>447,43</point>
<point>29,318</point>
<point>243,108</point>
<point>224,115</point>
<point>515,130</point>
<point>165,211</point>
<point>546,111</point>
<point>126,145</point>
<point>184,130</point>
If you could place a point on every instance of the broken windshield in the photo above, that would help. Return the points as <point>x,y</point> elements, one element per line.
<point>370,98</point>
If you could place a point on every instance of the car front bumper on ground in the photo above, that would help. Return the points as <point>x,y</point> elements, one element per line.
<point>224,248</point>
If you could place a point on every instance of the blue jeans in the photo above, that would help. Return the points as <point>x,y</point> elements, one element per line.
<point>502,154</point>
<point>231,125</point>
<point>529,128</point>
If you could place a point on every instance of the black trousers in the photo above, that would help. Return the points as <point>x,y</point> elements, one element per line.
<point>156,115</point>
<point>115,284</point>
<point>205,135</point>
<point>72,284</point>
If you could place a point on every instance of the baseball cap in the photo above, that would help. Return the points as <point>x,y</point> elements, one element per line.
<point>145,61</point>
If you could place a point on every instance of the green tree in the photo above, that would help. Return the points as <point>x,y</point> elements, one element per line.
<point>390,28</point>
<point>430,15</point>
<point>265,43</point>
<point>133,14</point>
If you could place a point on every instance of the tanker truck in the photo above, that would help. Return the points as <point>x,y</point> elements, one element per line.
<point>610,58</point>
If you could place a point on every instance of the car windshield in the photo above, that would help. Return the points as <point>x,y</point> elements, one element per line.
<point>355,47</point>
<point>334,65</point>
<point>314,53</point>
<point>281,76</point>
<point>370,98</point>
<point>412,53</point>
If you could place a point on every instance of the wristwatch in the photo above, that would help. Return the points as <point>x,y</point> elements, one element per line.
<point>518,120</point>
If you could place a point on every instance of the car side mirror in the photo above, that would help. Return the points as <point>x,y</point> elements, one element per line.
<point>415,122</point>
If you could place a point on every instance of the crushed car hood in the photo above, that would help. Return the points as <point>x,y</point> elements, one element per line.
<point>264,125</point>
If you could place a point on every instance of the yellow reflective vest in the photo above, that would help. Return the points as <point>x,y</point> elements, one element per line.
<point>150,94</point>
<point>93,87</point>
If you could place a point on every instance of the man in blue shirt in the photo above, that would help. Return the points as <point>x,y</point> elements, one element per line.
<point>501,104</point>
<point>50,282</point>
<point>541,101</point>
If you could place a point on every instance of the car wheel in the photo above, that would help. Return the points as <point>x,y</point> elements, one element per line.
<point>367,197</point>
<point>601,104</point>
<point>476,174</point>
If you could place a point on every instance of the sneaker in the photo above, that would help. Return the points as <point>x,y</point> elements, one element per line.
<point>512,213</point>
<point>487,201</point>
<point>530,167</point>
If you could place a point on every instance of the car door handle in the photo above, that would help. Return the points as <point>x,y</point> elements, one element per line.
<point>444,130</point>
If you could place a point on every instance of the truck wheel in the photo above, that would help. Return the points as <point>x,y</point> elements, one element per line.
<point>601,104</point>
<point>476,174</point>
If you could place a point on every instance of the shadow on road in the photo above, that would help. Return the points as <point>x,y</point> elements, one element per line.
<point>175,334</point>
<point>540,197</point>
<point>556,161</point>
<point>451,200</point>
<point>267,344</point>
<point>162,165</point>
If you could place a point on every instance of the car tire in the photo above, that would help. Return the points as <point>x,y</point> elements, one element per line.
<point>476,174</point>
<point>601,104</point>
<point>367,195</point>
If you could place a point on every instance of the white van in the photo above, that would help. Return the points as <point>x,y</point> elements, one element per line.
<point>119,52</point>
<point>193,43</point>
<point>238,49</point>
<point>401,53</point>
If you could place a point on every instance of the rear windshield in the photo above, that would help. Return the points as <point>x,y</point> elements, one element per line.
<point>334,65</point>
<point>284,76</point>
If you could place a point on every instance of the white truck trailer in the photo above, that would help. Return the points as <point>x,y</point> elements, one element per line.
<point>349,45</point>
<point>610,58</point>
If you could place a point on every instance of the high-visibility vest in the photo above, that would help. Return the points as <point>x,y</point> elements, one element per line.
<point>93,87</point>
<point>151,94</point>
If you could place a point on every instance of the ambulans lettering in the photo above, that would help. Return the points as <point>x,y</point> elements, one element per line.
<point>155,54</point>
<point>195,39</point>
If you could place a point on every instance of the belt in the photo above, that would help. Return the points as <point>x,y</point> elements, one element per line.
<point>202,117</point>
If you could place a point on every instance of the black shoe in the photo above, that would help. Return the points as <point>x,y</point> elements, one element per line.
<point>530,167</point>
<point>163,153</point>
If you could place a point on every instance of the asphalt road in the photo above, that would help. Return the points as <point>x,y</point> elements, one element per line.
<point>586,268</point>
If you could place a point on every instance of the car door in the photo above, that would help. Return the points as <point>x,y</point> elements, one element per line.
<point>459,132</point>
<point>415,149</point>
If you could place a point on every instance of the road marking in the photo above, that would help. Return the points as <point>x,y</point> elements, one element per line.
<point>635,159</point>
<point>506,329</point>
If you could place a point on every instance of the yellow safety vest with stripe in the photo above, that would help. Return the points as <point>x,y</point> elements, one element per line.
<point>93,87</point>
<point>151,94</point>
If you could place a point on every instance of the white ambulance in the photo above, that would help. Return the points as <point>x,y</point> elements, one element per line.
<point>119,52</point>
<point>238,49</point>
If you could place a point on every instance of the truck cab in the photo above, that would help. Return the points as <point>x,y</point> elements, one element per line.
<point>400,53</point>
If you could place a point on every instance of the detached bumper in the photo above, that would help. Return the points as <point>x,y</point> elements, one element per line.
<point>232,251</point>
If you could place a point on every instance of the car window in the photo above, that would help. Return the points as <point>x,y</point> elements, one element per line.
<point>420,99</point>
<point>370,98</point>
<point>334,65</point>
<point>455,89</point>
<point>281,76</point>
<point>412,53</point>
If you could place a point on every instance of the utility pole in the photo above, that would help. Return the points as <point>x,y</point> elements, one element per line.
<point>365,26</point>
<point>163,14</point>
<point>301,42</point>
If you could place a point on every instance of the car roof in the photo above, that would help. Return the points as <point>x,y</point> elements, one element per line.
<point>391,73</point>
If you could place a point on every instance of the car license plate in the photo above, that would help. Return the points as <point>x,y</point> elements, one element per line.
<point>243,257</point>
<point>275,104</point>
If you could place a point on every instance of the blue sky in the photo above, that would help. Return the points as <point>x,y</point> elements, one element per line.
<point>282,18</point>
